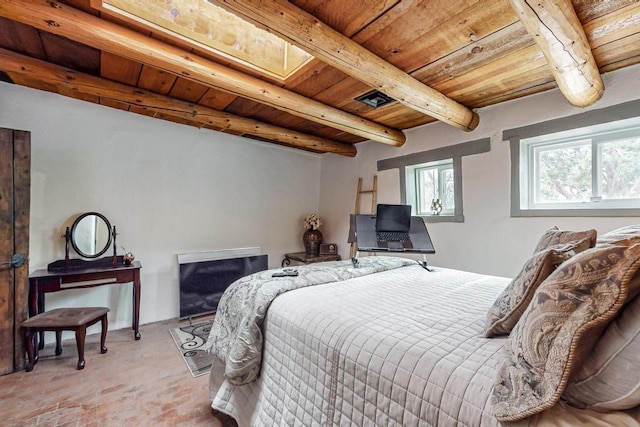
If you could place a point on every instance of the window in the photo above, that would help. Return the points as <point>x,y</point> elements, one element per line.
<point>434,192</point>
<point>590,168</point>
<point>435,174</point>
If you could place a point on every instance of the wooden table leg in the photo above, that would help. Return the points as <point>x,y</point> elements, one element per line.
<point>28,341</point>
<point>136,304</point>
<point>81,334</point>
<point>41,310</point>
<point>58,343</point>
<point>103,336</point>
<point>285,261</point>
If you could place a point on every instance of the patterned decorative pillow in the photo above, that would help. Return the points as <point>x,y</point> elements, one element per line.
<point>558,329</point>
<point>555,236</point>
<point>610,377</point>
<point>622,236</point>
<point>512,302</point>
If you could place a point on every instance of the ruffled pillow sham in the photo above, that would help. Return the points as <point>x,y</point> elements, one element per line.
<point>557,331</point>
<point>610,379</point>
<point>555,236</point>
<point>627,235</point>
<point>513,301</point>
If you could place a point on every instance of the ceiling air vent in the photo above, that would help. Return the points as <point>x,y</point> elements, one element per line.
<point>375,99</point>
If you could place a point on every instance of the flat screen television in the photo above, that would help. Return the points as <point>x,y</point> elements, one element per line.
<point>203,283</point>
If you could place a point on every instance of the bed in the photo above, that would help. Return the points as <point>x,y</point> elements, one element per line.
<point>397,346</point>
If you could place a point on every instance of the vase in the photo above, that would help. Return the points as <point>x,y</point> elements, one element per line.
<point>436,206</point>
<point>312,239</point>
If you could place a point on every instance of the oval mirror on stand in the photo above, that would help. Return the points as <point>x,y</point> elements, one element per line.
<point>91,235</point>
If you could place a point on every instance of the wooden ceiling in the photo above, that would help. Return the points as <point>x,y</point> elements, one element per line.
<point>440,59</point>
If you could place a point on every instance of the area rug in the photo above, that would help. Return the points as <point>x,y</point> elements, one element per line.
<point>190,340</point>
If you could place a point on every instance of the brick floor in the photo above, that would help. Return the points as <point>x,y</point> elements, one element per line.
<point>136,383</point>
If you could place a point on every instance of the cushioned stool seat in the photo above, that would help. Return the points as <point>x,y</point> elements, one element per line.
<point>65,319</point>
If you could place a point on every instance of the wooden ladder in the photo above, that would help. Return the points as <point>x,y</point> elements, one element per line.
<point>359,193</point>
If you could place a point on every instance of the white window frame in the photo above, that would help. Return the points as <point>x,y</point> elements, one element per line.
<point>414,183</point>
<point>598,126</point>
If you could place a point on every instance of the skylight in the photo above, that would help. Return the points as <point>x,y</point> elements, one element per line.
<point>216,30</point>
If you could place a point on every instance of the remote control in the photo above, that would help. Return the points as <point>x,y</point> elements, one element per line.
<point>285,272</point>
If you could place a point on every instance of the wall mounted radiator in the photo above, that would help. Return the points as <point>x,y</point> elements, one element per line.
<point>204,276</point>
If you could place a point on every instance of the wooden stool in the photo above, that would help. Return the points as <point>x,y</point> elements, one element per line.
<point>64,319</point>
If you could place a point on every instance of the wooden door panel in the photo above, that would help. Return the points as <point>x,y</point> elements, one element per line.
<point>15,163</point>
<point>21,209</point>
<point>6,250</point>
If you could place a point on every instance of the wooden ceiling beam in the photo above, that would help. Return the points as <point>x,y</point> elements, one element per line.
<point>555,27</point>
<point>73,24</point>
<point>307,32</point>
<point>73,82</point>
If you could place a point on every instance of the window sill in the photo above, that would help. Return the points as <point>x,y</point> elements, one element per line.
<point>622,212</point>
<point>442,218</point>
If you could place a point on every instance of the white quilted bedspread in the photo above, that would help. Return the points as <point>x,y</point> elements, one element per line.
<point>399,348</point>
<point>236,335</point>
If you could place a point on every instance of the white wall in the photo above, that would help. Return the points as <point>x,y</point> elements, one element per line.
<point>489,241</point>
<point>167,188</point>
<point>172,189</point>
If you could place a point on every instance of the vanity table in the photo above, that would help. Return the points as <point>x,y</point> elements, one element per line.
<point>90,236</point>
<point>45,281</point>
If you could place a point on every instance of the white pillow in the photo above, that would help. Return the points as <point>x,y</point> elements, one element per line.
<point>610,377</point>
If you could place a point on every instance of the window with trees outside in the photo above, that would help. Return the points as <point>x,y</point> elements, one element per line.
<point>434,188</point>
<point>592,168</point>
<point>431,181</point>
